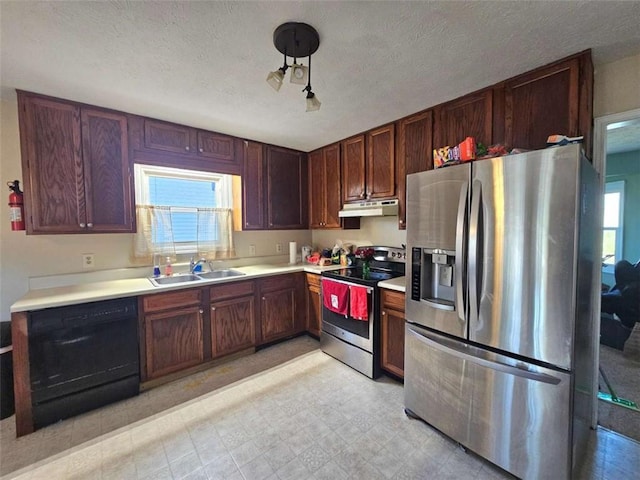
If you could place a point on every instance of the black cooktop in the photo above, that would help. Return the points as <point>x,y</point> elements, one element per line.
<point>385,267</point>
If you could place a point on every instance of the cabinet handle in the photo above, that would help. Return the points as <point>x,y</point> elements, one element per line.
<point>82,225</point>
<point>213,309</point>
<point>187,148</point>
<point>384,313</point>
<point>362,195</point>
<point>263,299</point>
<point>201,150</point>
<point>89,225</point>
<point>201,311</point>
<point>401,222</point>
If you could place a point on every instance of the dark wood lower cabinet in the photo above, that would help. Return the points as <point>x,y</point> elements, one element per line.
<point>173,340</point>
<point>281,306</point>
<point>314,304</point>
<point>232,325</point>
<point>392,326</point>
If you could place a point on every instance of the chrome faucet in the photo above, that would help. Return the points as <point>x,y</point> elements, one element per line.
<point>193,264</point>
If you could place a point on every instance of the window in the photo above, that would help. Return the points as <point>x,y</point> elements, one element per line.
<point>183,212</point>
<point>612,225</point>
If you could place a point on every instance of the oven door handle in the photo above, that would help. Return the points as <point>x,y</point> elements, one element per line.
<point>369,289</point>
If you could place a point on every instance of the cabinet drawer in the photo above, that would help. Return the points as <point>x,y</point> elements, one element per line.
<point>393,299</point>
<point>230,290</point>
<point>163,301</point>
<point>280,282</point>
<point>313,280</point>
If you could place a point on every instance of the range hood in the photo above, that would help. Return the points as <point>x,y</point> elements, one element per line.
<point>380,208</point>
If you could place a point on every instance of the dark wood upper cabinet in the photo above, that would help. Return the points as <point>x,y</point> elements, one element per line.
<point>468,116</point>
<point>287,195</point>
<point>75,167</point>
<point>107,179</point>
<point>253,208</point>
<point>541,103</point>
<point>414,154</point>
<point>324,187</point>
<point>162,143</point>
<point>381,178</point>
<point>353,169</point>
<point>368,165</point>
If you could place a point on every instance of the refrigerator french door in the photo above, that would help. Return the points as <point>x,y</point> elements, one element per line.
<point>500,283</point>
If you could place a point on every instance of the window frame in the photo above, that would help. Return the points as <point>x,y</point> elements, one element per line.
<point>616,186</point>
<point>223,192</point>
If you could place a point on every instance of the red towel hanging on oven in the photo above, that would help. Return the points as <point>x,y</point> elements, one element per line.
<point>335,296</point>
<point>359,302</point>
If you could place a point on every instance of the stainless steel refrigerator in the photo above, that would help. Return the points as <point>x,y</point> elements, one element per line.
<point>500,345</point>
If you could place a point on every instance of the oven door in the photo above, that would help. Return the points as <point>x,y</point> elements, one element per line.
<point>350,330</point>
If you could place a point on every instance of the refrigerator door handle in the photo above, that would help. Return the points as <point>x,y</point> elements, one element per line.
<point>501,367</point>
<point>473,252</point>
<point>461,232</point>
<point>439,306</point>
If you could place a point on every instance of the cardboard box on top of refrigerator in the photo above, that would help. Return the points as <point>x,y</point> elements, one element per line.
<point>463,152</point>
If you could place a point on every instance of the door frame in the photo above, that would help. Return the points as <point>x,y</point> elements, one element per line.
<point>599,162</point>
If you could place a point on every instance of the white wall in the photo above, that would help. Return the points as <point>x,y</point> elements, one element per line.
<point>616,86</point>
<point>23,256</point>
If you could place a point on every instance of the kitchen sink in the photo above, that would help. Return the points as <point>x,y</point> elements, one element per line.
<point>220,274</point>
<point>175,279</point>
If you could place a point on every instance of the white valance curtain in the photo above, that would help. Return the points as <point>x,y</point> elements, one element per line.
<point>155,235</point>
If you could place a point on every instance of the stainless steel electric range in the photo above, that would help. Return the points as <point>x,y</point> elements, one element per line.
<point>351,309</point>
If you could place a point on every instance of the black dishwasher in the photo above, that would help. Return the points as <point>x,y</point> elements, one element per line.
<point>82,357</point>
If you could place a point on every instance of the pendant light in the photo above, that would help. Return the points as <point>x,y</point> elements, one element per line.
<point>296,39</point>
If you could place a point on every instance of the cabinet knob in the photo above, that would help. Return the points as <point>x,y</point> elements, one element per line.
<point>82,225</point>
<point>213,309</point>
<point>384,313</point>
<point>89,225</point>
<point>201,150</point>
<point>201,311</point>
<point>187,148</point>
<point>401,222</point>
<point>362,195</point>
<point>263,299</point>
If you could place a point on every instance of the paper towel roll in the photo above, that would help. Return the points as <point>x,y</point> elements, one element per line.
<point>293,252</point>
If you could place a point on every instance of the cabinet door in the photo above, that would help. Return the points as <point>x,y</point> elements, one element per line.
<point>415,153</point>
<point>381,163</point>
<point>287,197</point>
<point>107,177</point>
<point>253,207</point>
<point>167,137</point>
<point>393,341</point>
<point>173,341</point>
<point>469,116</point>
<point>317,189</point>
<point>353,168</point>
<point>52,165</point>
<point>232,325</point>
<point>314,310</point>
<point>278,314</point>
<point>332,201</point>
<point>542,103</point>
<point>216,146</point>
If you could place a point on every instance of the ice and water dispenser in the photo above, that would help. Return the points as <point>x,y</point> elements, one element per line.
<point>432,277</point>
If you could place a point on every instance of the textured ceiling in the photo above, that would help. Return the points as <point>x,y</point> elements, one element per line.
<point>204,63</point>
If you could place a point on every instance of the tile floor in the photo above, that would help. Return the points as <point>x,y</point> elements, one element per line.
<point>309,418</point>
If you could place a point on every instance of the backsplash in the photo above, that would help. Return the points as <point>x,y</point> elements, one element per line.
<point>373,231</point>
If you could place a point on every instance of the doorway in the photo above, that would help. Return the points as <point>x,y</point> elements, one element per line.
<point>617,158</point>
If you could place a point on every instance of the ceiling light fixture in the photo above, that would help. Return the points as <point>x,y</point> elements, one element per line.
<point>296,40</point>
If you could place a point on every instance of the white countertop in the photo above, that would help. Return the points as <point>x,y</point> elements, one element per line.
<point>397,284</point>
<point>91,292</point>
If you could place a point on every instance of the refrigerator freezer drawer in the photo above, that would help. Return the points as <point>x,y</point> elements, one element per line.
<point>514,414</point>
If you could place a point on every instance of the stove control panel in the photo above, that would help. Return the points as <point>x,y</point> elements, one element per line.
<point>389,254</point>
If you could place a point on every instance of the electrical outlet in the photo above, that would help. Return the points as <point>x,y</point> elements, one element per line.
<point>252,250</point>
<point>278,248</point>
<point>88,260</point>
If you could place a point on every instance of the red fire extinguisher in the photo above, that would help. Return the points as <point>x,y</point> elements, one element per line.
<point>16,206</point>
